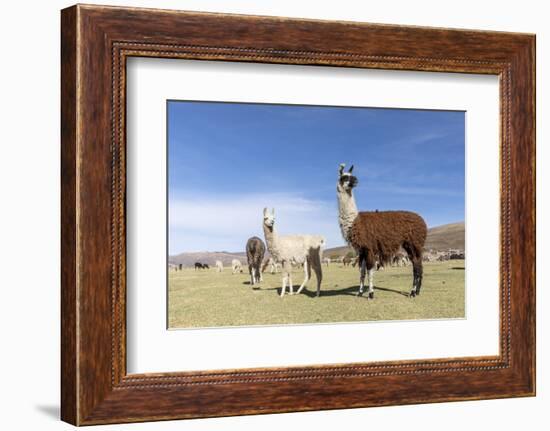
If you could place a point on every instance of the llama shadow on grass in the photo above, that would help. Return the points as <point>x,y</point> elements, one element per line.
<point>278,291</point>
<point>259,287</point>
<point>461,268</point>
<point>350,291</point>
<point>387,289</point>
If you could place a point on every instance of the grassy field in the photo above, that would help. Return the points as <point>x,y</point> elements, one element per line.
<point>208,298</point>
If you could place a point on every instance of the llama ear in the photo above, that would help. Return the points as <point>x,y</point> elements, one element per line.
<point>341,169</point>
<point>265,211</point>
<point>350,169</point>
<point>272,211</point>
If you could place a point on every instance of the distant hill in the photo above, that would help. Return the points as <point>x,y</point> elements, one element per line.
<point>439,238</point>
<point>336,251</point>
<point>189,259</point>
<point>446,236</point>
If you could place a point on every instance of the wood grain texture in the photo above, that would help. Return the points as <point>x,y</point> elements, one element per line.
<point>69,366</point>
<point>96,41</point>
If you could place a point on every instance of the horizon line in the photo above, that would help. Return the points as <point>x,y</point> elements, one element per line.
<point>328,248</point>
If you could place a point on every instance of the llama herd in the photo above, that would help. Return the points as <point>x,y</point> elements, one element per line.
<point>379,238</point>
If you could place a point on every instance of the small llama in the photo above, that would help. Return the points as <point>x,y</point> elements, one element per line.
<point>236,266</point>
<point>273,266</point>
<point>255,251</point>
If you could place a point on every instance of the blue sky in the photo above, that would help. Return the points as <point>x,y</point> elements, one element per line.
<point>227,161</point>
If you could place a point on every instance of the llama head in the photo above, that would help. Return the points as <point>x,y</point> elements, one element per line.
<point>346,181</point>
<point>269,218</point>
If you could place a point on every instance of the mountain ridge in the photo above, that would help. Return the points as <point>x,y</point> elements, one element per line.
<point>440,238</point>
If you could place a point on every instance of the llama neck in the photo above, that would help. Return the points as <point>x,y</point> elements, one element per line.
<point>270,239</point>
<point>347,211</point>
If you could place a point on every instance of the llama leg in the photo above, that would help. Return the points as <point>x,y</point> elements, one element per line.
<point>363,269</point>
<point>290,286</point>
<point>318,274</point>
<point>287,279</point>
<point>284,285</point>
<point>259,274</point>
<point>371,284</point>
<point>315,262</point>
<point>417,277</point>
<point>306,277</point>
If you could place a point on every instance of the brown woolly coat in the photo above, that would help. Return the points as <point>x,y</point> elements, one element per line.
<point>379,235</point>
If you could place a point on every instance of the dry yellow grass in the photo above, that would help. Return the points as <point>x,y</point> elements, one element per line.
<point>211,299</point>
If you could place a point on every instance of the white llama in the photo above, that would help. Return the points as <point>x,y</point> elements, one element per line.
<point>301,249</point>
<point>273,266</point>
<point>236,266</point>
<point>326,261</point>
<point>219,266</point>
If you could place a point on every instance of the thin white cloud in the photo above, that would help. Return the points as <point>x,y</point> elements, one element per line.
<point>425,137</point>
<point>212,223</point>
<point>418,139</point>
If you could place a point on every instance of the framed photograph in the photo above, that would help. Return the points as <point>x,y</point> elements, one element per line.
<point>264,215</point>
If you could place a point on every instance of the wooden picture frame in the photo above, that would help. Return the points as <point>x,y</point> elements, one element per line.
<point>95,43</point>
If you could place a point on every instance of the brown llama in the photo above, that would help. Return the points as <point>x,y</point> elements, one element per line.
<point>378,235</point>
<point>255,250</point>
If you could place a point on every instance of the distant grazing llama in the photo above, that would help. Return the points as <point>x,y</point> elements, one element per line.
<point>198,265</point>
<point>255,251</point>
<point>399,259</point>
<point>377,265</point>
<point>219,266</point>
<point>236,266</point>
<point>326,261</point>
<point>378,235</point>
<point>273,266</point>
<point>306,249</point>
